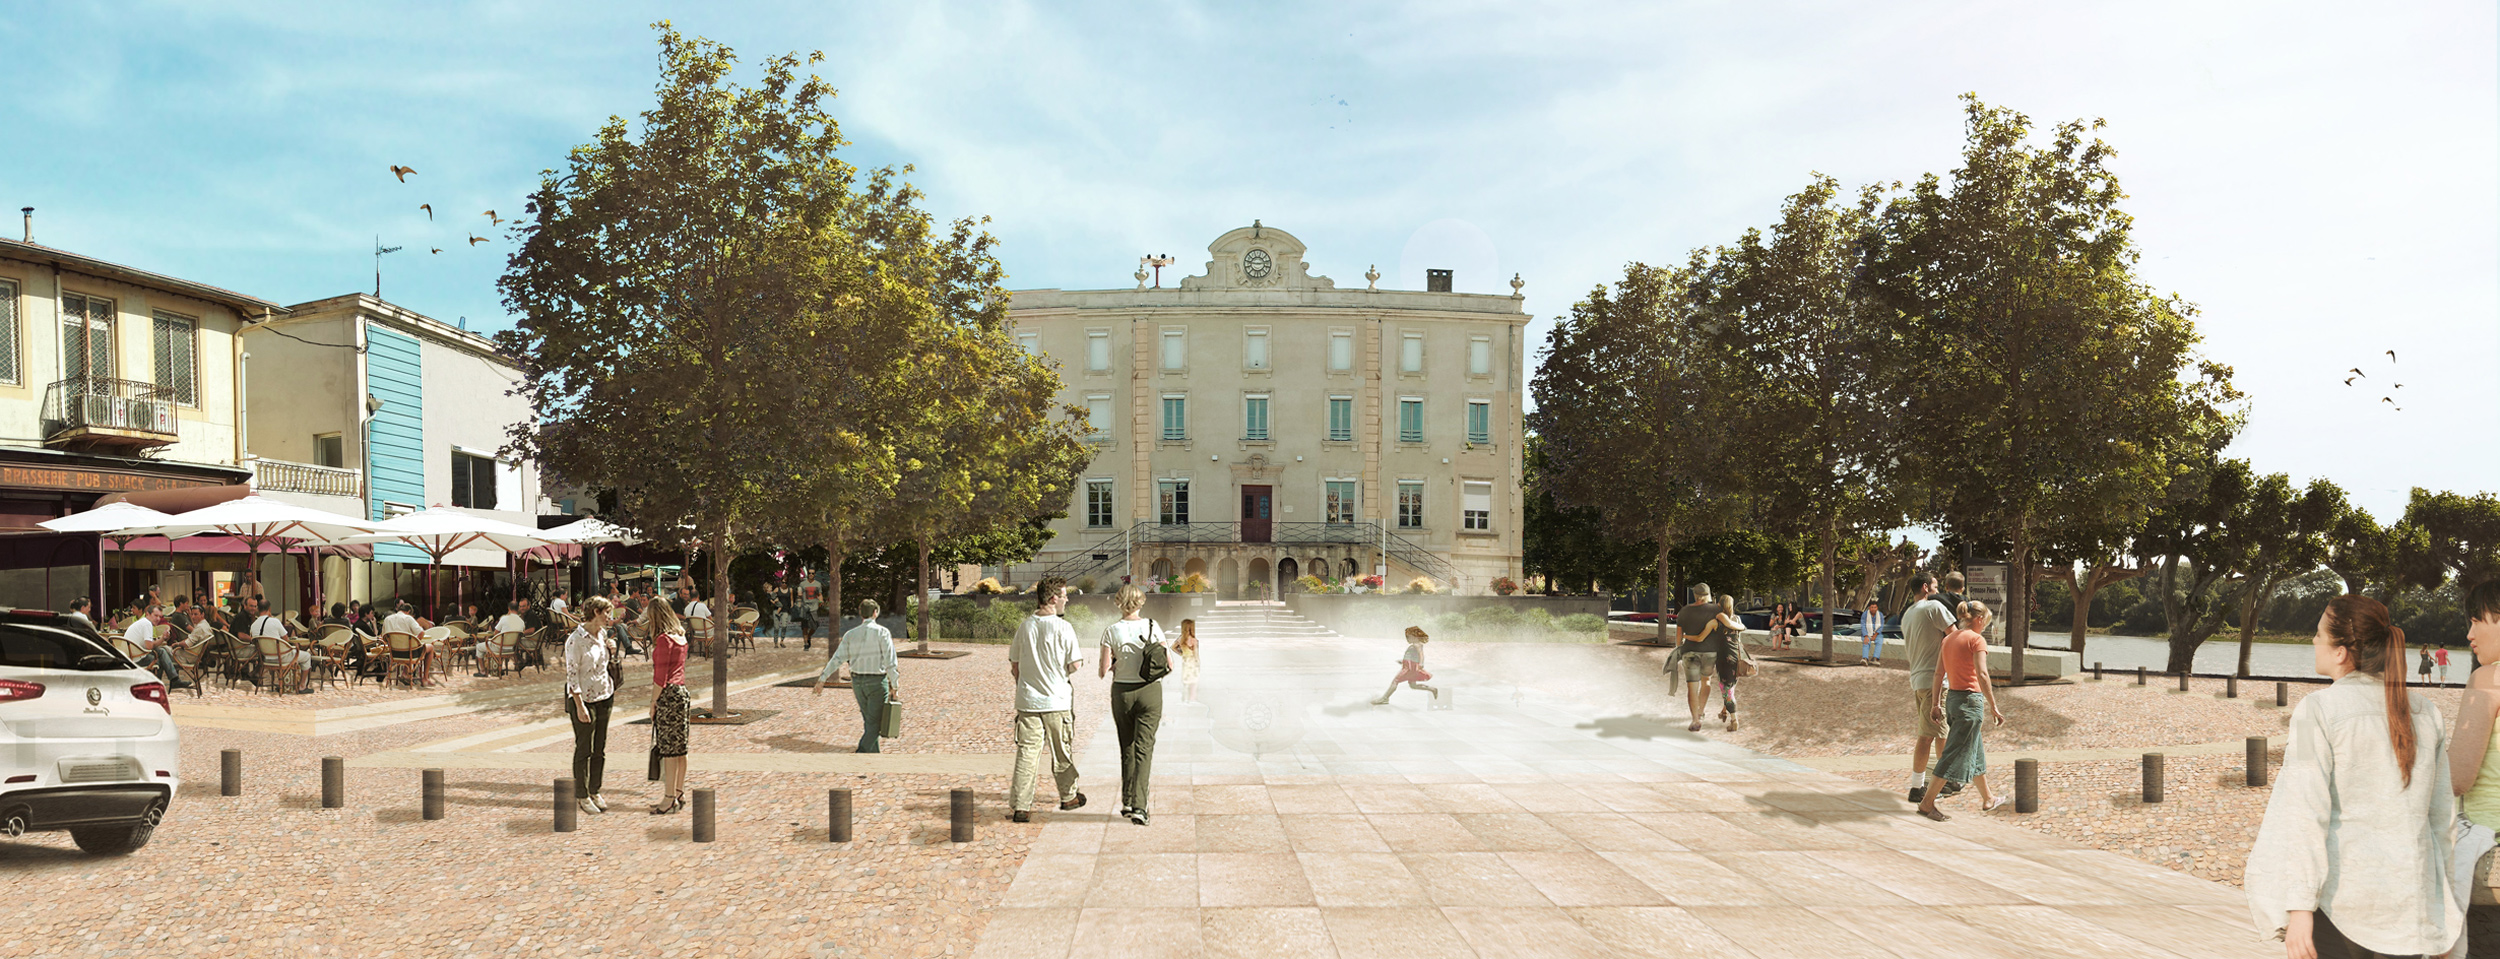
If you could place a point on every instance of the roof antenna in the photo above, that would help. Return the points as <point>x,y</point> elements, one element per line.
<point>378,250</point>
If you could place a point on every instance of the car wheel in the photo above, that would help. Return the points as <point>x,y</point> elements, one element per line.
<point>113,840</point>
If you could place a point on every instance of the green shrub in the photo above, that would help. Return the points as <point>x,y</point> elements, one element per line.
<point>1447,625</point>
<point>1536,620</point>
<point>1582,623</point>
<point>1493,618</point>
<point>1083,619</point>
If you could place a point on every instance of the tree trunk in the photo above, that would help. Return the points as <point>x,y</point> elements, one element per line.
<point>921,590</point>
<point>2020,570</point>
<point>1831,562</point>
<point>2087,583</point>
<point>722,612</point>
<point>2260,594</point>
<point>1666,584</point>
<point>833,597</point>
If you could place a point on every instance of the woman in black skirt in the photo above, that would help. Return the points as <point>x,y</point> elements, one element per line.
<point>668,704</point>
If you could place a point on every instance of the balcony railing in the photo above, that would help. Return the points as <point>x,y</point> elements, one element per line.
<point>89,412</point>
<point>1109,555</point>
<point>286,477</point>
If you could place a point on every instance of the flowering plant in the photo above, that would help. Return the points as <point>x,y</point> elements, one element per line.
<point>1505,586</point>
<point>1373,581</point>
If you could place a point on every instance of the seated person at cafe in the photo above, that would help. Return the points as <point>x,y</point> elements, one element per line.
<point>158,657</point>
<point>265,622</point>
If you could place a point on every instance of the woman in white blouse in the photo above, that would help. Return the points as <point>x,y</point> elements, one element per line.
<point>589,694</point>
<point>1136,703</point>
<point>2352,859</point>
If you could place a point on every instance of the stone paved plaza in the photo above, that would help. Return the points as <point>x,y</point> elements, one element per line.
<point>1292,818</point>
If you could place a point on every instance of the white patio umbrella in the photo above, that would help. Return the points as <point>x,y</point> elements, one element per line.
<point>257,521</point>
<point>591,533</point>
<point>441,531</point>
<point>112,521</point>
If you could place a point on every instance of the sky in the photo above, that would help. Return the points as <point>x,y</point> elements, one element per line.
<point>2318,178</point>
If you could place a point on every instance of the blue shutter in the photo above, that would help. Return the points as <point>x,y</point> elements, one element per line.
<point>395,371</point>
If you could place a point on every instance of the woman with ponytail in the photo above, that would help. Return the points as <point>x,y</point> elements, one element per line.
<point>2352,859</point>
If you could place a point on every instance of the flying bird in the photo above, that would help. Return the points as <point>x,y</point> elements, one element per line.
<point>2391,401</point>
<point>490,214</point>
<point>2348,380</point>
<point>475,239</point>
<point>2356,371</point>
<point>428,208</point>
<point>2400,386</point>
<point>436,250</point>
<point>2391,356</point>
<point>402,172</point>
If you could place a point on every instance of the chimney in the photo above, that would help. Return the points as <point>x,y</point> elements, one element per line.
<point>1436,281</point>
<point>30,222</point>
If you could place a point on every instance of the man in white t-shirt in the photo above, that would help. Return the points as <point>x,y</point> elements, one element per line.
<point>266,623</point>
<point>563,601</point>
<point>1042,658</point>
<point>1923,628</point>
<point>158,658</point>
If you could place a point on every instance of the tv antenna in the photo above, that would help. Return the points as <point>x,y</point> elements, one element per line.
<point>1158,261</point>
<point>378,250</point>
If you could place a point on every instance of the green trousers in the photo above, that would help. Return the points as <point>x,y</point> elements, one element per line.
<point>1136,710</point>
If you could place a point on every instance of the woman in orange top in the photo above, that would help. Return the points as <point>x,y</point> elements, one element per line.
<point>1963,665</point>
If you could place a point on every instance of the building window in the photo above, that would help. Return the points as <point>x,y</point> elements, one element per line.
<point>1254,418</point>
<point>1098,415</point>
<point>330,449</point>
<point>1341,419</point>
<point>9,336</point>
<point>177,358</point>
<point>1410,419</point>
<point>1098,503</point>
<point>89,320</point>
<point>1098,351</point>
<point>1175,418</point>
<point>1411,353</point>
<point>1410,504</point>
<point>1341,501</point>
<point>1031,342</point>
<point>1254,350</point>
<point>1475,504</point>
<point>1172,502</point>
<point>1480,356</point>
<point>1480,422</point>
<point>472,481</point>
<point>1340,352</point>
<point>1175,350</point>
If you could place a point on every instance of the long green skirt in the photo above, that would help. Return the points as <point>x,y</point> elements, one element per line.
<point>1963,758</point>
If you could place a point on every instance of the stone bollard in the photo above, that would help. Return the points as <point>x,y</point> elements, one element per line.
<point>2026,785</point>
<point>2231,687</point>
<point>431,786</point>
<point>2257,760</point>
<point>837,815</point>
<point>959,812</point>
<point>2152,777</point>
<point>230,773</point>
<point>333,782</point>
<point>2096,670</point>
<point>2139,675</point>
<point>2282,694</point>
<point>2183,678</point>
<point>568,812</point>
<point>703,828</point>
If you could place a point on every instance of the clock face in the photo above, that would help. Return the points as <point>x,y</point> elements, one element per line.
<point>1256,264</point>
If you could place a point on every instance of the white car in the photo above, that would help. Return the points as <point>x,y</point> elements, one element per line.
<point>87,738</point>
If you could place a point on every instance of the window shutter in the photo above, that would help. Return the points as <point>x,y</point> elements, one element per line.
<point>1411,354</point>
<point>1477,498</point>
<point>1098,351</point>
<point>507,485</point>
<point>1175,351</point>
<point>460,477</point>
<point>1256,351</point>
<point>1341,351</point>
<point>9,335</point>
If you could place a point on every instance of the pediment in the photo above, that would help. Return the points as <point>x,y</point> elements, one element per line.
<point>1257,257</point>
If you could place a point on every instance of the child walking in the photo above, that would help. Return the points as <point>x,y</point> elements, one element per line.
<point>1411,666</point>
<point>1188,648</point>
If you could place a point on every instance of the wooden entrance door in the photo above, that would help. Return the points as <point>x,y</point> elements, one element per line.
<point>1256,503</point>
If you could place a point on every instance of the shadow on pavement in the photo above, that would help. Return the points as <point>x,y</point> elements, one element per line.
<point>1640,726</point>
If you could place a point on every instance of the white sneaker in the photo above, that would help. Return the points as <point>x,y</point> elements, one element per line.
<point>588,806</point>
<point>599,801</point>
<point>1382,701</point>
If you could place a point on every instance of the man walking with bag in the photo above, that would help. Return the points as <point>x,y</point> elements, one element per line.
<point>1041,659</point>
<point>1923,629</point>
<point>868,650</point>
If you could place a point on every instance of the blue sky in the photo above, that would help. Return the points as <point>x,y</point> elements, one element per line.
<point>2318,177</point>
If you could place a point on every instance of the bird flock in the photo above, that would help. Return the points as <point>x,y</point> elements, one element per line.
<point>403,172</point>
<point>2390,400</point>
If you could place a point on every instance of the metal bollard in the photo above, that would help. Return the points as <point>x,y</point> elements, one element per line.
<point>2152,777</point>
<point>2183,678</point>
<point>837,815</point>
<point>432,785</point>
<point>959,810</point>
<point>230,773</point>
<point>567,813</point>
<point>2139,675</point>
<point>2231,686</point>
<point>2257,760</point>
<point>2282,694</point>
<point>2096,670</point>
<point>703,830</point>
<point>2026,785</point>
<point>333,782</point>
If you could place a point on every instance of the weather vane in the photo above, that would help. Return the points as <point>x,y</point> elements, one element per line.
<point>1158,261</point>
<point>378,250</point>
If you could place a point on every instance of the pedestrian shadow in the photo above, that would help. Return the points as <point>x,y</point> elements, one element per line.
<point>794,743</point>
<point>1812,808</point>
<point>1640,726</point>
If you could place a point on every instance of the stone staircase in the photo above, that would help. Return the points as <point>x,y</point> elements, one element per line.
<point>1262,624</point>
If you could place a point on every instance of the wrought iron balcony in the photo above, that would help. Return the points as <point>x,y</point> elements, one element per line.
<point>286,477</point>
<point>94,413</point>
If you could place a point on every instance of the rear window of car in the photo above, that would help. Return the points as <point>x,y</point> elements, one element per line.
<point>43,647</point>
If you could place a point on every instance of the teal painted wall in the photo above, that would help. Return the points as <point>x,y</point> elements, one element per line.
<point>395,372</point>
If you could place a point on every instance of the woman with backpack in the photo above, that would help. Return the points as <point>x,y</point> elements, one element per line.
<point>1135,657</point>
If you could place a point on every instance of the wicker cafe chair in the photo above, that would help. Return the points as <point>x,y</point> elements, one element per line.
<point>274,670</point>
<point>501,653</point>
<point>742,627</point>
<point>699,636</point>
<point>442,645</point>
<point>527,650</point>
<point>130,650</point>
<point>187,664</point>
<point>407,657</point>
<point>329,649</point>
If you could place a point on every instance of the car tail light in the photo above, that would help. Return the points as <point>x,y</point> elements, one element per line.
<point>154,693</point>
<point>16,689</point>
<point>13,780</point>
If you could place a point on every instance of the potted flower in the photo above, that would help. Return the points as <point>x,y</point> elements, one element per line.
<point>985,591</point>
<point>1505,586</point>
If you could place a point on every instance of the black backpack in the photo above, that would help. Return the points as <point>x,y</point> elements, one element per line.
<point>1157,662</point>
